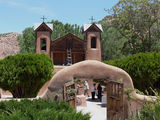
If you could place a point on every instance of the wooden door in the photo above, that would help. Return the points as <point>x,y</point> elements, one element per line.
<point>77,57</point>
<point>70,94</point>
<point>115,109</point>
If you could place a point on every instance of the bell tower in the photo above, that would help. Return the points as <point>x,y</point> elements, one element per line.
<point>92,38</point>
<point>43,38</point>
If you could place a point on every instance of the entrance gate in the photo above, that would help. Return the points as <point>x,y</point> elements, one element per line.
<point>69,93</point>
<point>115,109</point>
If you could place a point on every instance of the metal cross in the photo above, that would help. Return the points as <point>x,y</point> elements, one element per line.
<point>92,19</point>
<point>43,18</point>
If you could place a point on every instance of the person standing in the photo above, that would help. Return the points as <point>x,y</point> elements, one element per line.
<point>93,91</point>
<point>99,88</point>
<point>86,88</point>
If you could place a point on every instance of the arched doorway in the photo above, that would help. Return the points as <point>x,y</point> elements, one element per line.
<point>94,70</point>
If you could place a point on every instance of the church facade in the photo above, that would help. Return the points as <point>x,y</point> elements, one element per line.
<point>69,49</point>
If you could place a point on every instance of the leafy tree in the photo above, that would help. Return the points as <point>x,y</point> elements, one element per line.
<point>24,74</point>
<point>60,29</point>
<point>27,41</point>
<point>112,42</point>
<point>139,22</point>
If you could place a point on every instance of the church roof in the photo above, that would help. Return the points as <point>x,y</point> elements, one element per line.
<point>85,27</point>
<point>67,36</point>
<point>38,24</point>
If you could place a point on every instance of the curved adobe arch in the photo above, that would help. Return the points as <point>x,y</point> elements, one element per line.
<point>88,69</point>
<point>95,70</point>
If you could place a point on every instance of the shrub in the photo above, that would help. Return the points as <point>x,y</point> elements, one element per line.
<point>24,74</point>
<point>149,111</point>
<point>39,110</point>
<point>144,69</point>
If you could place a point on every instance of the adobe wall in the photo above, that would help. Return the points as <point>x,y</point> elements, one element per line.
<point>92,53</point>
<point>94,70</point>
<point>45,86</point>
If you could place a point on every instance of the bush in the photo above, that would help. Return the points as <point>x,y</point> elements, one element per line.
<point>39,110</point>
<point>144,69</point>
<point>149,111</point>
<point>24,74</point>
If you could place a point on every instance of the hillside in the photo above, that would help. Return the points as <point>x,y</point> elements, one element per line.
<point>8,44</point>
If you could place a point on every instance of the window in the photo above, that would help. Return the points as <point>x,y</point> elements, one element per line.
<point>43,44</point>
<point>93,42</point>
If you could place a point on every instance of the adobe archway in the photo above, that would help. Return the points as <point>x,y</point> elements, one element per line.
<point>95,70</point>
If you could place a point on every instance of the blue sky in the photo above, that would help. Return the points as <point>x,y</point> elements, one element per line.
<point>16,15</point>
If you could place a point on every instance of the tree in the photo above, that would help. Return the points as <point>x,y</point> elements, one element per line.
<point>27,41</point>
<point>112,42</point>
<point>139,22</point>
<point>60,29</point>
<point>24,74</point>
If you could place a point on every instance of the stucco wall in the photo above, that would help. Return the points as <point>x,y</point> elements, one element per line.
<point>93,69</point>
<point>93,53</point>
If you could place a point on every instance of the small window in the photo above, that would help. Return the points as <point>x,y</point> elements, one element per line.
<point>93,42</point>
<point>43,44</point>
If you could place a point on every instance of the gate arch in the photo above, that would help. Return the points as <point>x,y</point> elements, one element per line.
<point>94,70</point>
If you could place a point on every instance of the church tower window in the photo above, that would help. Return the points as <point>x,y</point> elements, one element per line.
<point>93,42</point>
<point>43,44</point>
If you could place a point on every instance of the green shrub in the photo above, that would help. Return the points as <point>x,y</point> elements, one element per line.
<point>149,111</point>
<point>24,74</point>
<point>39,110</point>
<point>144,69</point>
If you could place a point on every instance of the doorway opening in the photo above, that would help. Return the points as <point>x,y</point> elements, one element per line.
<point>109,105</point>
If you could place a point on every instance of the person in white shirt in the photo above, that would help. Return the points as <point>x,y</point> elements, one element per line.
<point>93,91</point>
<point>86,88</point>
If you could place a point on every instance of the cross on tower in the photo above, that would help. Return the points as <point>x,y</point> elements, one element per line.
<point>43,18</point>
<point>92,19</point>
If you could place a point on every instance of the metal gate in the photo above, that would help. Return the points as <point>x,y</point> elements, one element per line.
<point>115,109</point>
<point>70,93</point>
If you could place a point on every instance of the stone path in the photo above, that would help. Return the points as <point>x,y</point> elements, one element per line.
<point>95,108</point>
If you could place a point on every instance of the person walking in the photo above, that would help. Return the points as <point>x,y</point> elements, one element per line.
<point>86,88</point>
<point>99,88</point>
<point>93,91</point>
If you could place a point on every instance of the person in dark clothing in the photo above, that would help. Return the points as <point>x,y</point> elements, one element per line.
<point>99,88</point>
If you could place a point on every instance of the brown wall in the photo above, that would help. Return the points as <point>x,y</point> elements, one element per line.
<point>93,53</point>
<point>93,69</point>
<point>47,36</point>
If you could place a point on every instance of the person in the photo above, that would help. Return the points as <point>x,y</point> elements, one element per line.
<point>93,91</point>
<point>99,88</point>
<point>86,88</point>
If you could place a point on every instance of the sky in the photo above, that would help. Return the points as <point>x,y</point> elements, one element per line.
<point>16,15</point>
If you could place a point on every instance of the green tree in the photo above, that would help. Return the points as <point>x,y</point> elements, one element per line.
<point>112,42</point>
<point>27,41</point>
<point>60,29</point>
<point>139,22</point>
<point>24,74</point>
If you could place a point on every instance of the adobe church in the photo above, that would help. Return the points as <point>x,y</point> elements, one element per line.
<point>69,49</point>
